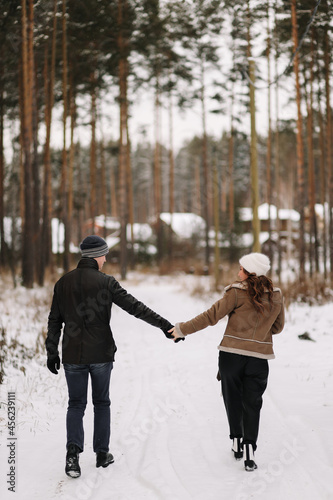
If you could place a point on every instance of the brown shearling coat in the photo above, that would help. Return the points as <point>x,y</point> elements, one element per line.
<point>248,331</point>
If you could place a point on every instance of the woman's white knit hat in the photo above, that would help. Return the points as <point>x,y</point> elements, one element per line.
<point>256,263</point>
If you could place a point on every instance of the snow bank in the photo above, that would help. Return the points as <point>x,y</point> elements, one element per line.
<point>169,430</point>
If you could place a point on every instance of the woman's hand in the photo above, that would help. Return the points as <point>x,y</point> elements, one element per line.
<point>176,337</point>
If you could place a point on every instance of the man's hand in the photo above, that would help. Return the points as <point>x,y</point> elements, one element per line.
<point>174,335</point>
<point>53,364</point>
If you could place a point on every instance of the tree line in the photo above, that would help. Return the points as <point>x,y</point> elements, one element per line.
<point>55,54</point>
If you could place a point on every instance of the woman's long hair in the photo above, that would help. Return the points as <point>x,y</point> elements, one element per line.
<point>256,287</point>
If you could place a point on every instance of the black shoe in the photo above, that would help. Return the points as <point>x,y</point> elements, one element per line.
<point>249,462</point>
<point>72,468</point>
<point>237,448</point>
<point>103,459</point>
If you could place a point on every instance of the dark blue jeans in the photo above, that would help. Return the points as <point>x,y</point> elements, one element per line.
<point>244,381</point>
<point>77,382</point>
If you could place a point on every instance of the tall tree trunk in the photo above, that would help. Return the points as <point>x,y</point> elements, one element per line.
<point>64,170</point>
<point>113,192</point>
<point>93,197</point>
<point>224,198</point>
<point>130,188</point>
<point>171,173</point>
<point>72,106</point>
<point>157,173</point>
<point>231,176</point>
<point>323,181</point>
<point>311,187</point>
<point>216,224</point>
<point>46,250</point>
<point>36,182</point>
<point>36,242</point>
<point>313,250</point>
<point>21,166</point>
<point>300,149</point>
<point>231,187</point>
<point>254,163</point>
<point>206,191</point>
<point>231,159</point>
<point>104,185</point>
<point>253,147</point>
<point>81,216</point>
<point>197,193</point>
<point>28,254</point>
<point>269,134</point>
<point>277,147</point>
<point>34,151</point>
<point>122,47</point>
<point>328,137</point>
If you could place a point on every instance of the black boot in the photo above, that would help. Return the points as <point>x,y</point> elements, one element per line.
<point>72,468</point>
<point>103,459</point>
<point>237,448</point>
<point>249,462</point>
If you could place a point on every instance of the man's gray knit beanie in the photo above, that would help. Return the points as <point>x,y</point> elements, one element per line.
<point>93,246</point>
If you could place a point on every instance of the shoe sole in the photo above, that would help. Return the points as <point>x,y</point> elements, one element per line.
<point>73,474</point>
<point>105,465</point>
<point>250,469</point>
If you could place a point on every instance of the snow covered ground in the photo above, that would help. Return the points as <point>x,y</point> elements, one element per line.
<point>169,429</point>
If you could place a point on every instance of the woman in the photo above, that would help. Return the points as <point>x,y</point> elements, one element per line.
<point>255,310</point>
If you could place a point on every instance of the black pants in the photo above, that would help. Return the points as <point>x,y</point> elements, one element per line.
<point>244,380</point>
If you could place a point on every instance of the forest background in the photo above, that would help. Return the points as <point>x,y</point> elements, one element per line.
<point>71,70</point>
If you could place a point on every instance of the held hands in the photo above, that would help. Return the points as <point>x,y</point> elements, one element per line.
<point>175,335</point>
<point>170,334</point>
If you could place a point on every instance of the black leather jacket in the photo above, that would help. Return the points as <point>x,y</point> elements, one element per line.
<point>82,301</point>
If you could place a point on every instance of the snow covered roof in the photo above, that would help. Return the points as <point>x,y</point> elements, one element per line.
<point>112,241</point>
<point>247,238</point>
<point>141,231</point>
<point>110,223</point>
<point>184,224</point>
<point>284,213</point>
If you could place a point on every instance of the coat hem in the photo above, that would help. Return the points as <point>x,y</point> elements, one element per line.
<point>243,352</point>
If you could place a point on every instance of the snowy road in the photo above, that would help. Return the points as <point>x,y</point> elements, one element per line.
<point>169,430</point>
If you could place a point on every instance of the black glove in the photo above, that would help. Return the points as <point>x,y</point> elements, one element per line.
<point>169,335</point>
<point>53,365</point>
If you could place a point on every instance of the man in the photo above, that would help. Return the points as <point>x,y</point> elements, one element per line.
<point>82,302</point>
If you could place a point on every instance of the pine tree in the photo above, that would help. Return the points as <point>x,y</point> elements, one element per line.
<point>28,254</point>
